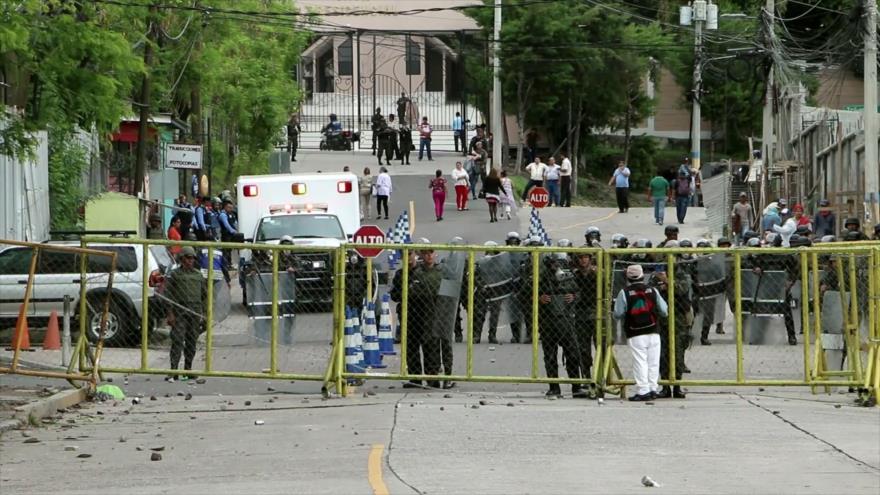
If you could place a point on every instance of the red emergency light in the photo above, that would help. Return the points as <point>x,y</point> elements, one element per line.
<point>343,186</point>
<point>298,189</point>
<point>250,190</point>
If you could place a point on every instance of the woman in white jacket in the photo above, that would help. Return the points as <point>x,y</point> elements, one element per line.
<point>383,192</point>
<point>786,230</point>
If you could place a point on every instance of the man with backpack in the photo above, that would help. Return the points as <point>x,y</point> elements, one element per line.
<point>681,186</point>
<point>640,307</point>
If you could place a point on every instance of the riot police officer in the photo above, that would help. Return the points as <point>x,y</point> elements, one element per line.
<point>490,289</point>
<point>776,262</point>
<point>518,325</point>
<point>424,286</point>
<point>619,241</point>
<point>707,287</point>
<point>585,277</point>
<point>524,294</point>
<point>556,289</point>
<point>853,224</point>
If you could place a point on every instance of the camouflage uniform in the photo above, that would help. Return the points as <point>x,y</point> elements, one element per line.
<point>187,291</point>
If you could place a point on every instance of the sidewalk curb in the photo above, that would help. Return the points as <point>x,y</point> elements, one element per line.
<point>42,408</point>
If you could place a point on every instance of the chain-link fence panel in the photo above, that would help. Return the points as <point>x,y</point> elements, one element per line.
<point>75,301</point>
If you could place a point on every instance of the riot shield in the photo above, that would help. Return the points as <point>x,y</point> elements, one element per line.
<point>833,328</point>
<point>259,290</point>
<point>770,294</point>
<point>710,285</point>
<point>495,277</point>
<point>452,268</point>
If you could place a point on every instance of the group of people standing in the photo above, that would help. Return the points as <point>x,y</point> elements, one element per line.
<point>556,178</point>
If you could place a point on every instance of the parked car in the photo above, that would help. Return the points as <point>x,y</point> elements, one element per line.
<point>58,275</point>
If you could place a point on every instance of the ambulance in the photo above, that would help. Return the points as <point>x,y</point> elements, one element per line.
<point>320,210</point>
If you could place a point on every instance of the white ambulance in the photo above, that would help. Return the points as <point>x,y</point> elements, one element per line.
<point>320,210</point>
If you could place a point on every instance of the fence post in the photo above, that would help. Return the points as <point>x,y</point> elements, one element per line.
<point>817,314</point>
<point>273,351</point>
<point>65,332</point>
<point>598,375</point>
<point>855,356</point>
<point>470,315</point>
<point>805,312</point>
<point>404,312</point>
<point>670,287</point>
<point>737,297</point>
<point>145,300</point>
<point>535,274</point>
<point>209,312</point>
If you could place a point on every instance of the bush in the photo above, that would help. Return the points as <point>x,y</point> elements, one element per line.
<point>67,161</point>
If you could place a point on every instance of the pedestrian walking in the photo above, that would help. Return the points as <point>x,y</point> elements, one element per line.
<point>492,193</point>
<point>438,192</point>
<point>565,182</point>
<point>536,176</point>
<point>681,188</point>
<point>383,188</point>
<point>365,189</point>
<point>425,131</point>
<point>461,181</point>
<point>384,133</point>
<point>551,179</point>
<point>620,181</point>
<point>639,307</point>
<point>186,291</point>
<point>473,176</point>
<point>741,217</point>
<point>479,137</point>
<point>507,197</point>
<point>658,192</point>
<point>458,133</point>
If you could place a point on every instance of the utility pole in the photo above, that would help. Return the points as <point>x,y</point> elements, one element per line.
<point>872,162</point>
<point>767,125</point>
<point>141,159</point>
<point>497,111</point>
<point>698,13</point>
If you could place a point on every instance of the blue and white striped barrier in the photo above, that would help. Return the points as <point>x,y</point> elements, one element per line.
<point>386,332</point>
<point>354,355</point>
<point>372,357</point>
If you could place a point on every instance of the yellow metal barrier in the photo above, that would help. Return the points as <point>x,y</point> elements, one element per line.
<point>858,268</point>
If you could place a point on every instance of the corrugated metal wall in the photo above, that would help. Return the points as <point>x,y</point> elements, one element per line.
<point>24,203</point>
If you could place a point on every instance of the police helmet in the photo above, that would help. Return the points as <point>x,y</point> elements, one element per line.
<point>685,243</point>
<point>704,243</point>
<point>619,241</point>
<point>457,241</point>
<point>753,242</point>
<point>513,239</point>
<point>490,244</point>
<point>673,244</point>
<point>593,233</point>
<point>723,242</point>
<point>644,244</point>
<point>852,235</point>
<point>799,241</point>
<point>802,230</point>
<point>774,239</point>
<point>286,239</point>
<point>852,221</point>
<point>670,229</point>
<point>828,238</point>
<point>564,243</point>
<point>423,240</point>
<point>749,234</point>
<point>535,240</point>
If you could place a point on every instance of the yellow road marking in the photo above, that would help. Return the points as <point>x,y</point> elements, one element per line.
<point>607,217</point>
<point>374,469</point>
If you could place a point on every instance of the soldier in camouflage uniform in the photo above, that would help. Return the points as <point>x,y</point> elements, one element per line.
<point>585,309</point>
<point>186,290</point>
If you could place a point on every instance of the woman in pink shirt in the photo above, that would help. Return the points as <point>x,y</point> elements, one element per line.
<point>438,191</point>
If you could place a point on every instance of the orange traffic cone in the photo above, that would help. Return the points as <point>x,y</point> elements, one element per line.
<point>52,341</point>
<point>22,326</point>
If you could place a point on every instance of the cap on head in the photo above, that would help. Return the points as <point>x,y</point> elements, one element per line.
<point>852,221</point>
<point>824,203</point>
<point>743,195</point>
<point>644,244</point>
<point>490,244</point>
<point>186,251</point>
<point>798,208</point>
<point>782,202</point>
<point>535,240</point>
<point>635,272</point>
<point>513,235</point>
<point>673,244</point>
<point>723,242</point>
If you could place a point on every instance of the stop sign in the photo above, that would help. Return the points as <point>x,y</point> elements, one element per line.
<point>539,197</point>
<point>368,234</point>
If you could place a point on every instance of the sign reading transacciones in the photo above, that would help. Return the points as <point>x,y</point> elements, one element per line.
<point>186,156</point>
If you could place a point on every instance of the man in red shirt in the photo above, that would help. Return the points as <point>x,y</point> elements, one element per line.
<point>425,138</point>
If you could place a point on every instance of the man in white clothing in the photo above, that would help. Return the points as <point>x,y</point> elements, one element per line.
<point>565,181</point>
<point>639,306</point>
<point>536,172</point>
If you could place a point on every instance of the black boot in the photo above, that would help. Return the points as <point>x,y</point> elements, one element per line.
<point>705,341</point>
<point>554,391</point>
<point>664,393</point>
<point>578,392</point>
<point>677,392</point>
<point>792,340</point>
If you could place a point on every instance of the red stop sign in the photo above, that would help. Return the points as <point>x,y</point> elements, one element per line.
<point>368,234</point>
<point>539,197</point>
